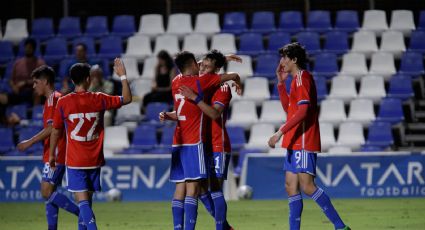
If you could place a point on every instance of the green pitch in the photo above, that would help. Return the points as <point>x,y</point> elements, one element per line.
<point>245,215</point>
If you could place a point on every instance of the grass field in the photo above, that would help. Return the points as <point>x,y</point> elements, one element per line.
<point>245,215</point>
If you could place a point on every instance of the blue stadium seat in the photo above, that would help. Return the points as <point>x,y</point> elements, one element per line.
<point>242,155</point>
<point>37,114</point>
<point>153,109</point>
<point>42,28</point>
<point>160,150</point>
<point>20,110</point>
<point>371,148</point>
<point>131,150</point>
<point>235,23</point>
<point>15,153</point>
<point>291,21</point>
<point>321,87</point>
<point>380,134</point>
<point>88,41</point>
<point>64,66</point>
<point>69,27</point>
<point>27,133</point>
<point>97,26</point>
<point>21,49</point>
<point>110,47</point>
<point>319,21</point>
<point>401,87</point>
<point>236,136</point>
<point>311,41</point>
<point>347,21</point>
<point>277,40</point>
<point>326,65</point>
<point>144,137</point>
<point>6,52</point>
<point>167,136</point>
<point>56,50</point>
<point>421,23</point>
<point>124,26</point>
<point>266,65</point>
<point>336,42</point>
<point>275,91</point>
<point>390,110</point>
<point>263,22</point>
<point>417,43</point>
<point>251,44</point>
<point>6,140</point>
<point>8,71</point>
<point>412,64</point>
<point>5,86</point>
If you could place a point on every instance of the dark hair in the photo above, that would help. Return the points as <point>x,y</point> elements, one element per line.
<point>79,72</point>
<point>30,41</point>
<point>217,56</point>
<point>295,50</point>
<point>44,72</point>
<point>184,59</point>
<point>164,55</point>
<point>82,45</point>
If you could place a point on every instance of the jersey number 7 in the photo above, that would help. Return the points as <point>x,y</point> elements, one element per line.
<point>179,109</point>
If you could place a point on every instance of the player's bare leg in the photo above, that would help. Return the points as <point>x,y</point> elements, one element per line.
<point>295,201</point>
<point>84,200</point>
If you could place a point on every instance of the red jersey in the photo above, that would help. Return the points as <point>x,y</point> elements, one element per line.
<point>81,113</point>
<point>48,112</point>
<point>305,135</point>
<point>190,129</point>
<point>220,138</point>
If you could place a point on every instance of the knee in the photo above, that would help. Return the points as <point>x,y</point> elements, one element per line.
<point>291,188</point>
<point>308,187</point>
<point>46,193</point>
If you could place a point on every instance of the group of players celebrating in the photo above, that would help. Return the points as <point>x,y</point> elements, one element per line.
<point>73,138</point>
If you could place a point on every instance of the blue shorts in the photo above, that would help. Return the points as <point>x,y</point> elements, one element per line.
<point>220,165</point>
<point>81,180</point>
<point>300,161</point>
<point>53,177</point>
<point>188,163</point>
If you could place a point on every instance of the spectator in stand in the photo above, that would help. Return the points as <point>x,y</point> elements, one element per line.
<point>98,83</point>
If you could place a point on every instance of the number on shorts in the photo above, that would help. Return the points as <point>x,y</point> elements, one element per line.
<point>179,109</point>
<point>298,157</point>
<point>217,162</point>
<point>90,134</point>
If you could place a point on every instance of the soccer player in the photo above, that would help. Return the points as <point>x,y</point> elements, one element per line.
<point>188,164</point>
<point>43,84</point>
<point>81,114</point>
<point>301,136</point>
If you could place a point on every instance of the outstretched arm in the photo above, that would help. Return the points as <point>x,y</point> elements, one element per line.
<point>119,69</point>
<point>213,112</point>
<point>40,136</point>
<point>232,77</point>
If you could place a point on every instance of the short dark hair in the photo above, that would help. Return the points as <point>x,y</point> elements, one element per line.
<point>164,55</point>
<point>30,41</point>
<point>217,56</point>
<point>79,72</point>
<point>44,72</point>
<point>295,50</point>
<point>82,45</point>
<point>184,59</point>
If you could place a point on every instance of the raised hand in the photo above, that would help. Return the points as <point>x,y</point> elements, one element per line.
<point>119,67</point>
<point>280,73</point>
<point>187,92</point>
<point>233,57</point>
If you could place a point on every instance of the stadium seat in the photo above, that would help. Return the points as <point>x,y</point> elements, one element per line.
<point>16,30</point>
<point>327,135</point>
<point>242,155</point>
<point>375,21</point>
<point>27,133</point>
<point>153,109</point>
<point>115,140</point>
<point>179,24</point>
<point>351,135</point>
<point>110,47</point>
<point>382,64</point>
<point>364,42</point>
<point>225,43</point>
<point>149,67</point>
<point>373,88</point>
<point>6,52</point>
<point>277,40</point>
<point>37,115</point>
<point>401,87</point>
<point>207,23</point>
<point>140,87</point>
<point>56,50</point>
<point>326,65</point>
<point>42,28</point>
<point>195,43</point>
<point>6,142</point>
<point>8,72</point>
<point>291,21</point>
<point>167,42</point>
<point>251,44</point>
<point>263,22</point>
<point>88,41</point>
<point>144,137</point>
<point>20,110</point>
<point>132,69</point>
<point>167,136</point>
<point>321,87</point>
<point>123,26</point>
<point>402,20</point>
<point>343,88</point>
<point>354,64</point>
<point>380,134</point>
<point>393,42</point>
<point>64,67</point>
<point>130,112</point>
<point>421,23</point>
<point>412,64</point>
<point>417,43</point>
<point>347,21</point>
<point>266,66</point>
<point>139,47</point>
<point>319,21</point>
<point>370,148</point>
<point>273,113</point>
<point>361,111</point>
<point>339,150</point>
<point>332,111</point>
<point>336,42</point>
<point>5,86</point>
<point>151,25</point>
<point>69,27</point>
<point>236,136</point>
<point>96,26</point>
<point>259,136</point>
<point>244,69</point>
<point>256,89</point>
<point>311,41</point>
<point>390,110</point>
<point>244,113</point>
<point>235,23</point>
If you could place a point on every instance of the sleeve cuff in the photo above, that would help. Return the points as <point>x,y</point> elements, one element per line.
<point>219,103</point>
<point>50,121</point>
<point>121,99</point>
<point>303,102</point>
